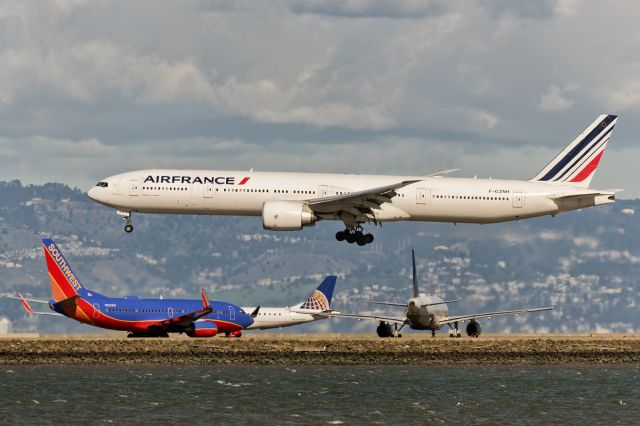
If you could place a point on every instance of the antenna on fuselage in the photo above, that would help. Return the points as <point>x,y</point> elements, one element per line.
<point>415,277</point>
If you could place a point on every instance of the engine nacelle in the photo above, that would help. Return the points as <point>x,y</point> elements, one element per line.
<point>203,329</point>
<point>286,215</point>
<point>474,328</point>
<point>384,329</point>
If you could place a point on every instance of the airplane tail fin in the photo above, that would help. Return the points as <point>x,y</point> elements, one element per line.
<point>320,298</point>
<point>64,283</point>
<point>577,163</point>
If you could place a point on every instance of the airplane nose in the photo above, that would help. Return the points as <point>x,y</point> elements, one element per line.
<point>98,194</point>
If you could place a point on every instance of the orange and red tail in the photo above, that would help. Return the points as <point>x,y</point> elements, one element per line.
<point>64,283</point>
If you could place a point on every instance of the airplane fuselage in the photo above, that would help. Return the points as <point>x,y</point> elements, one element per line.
<point>136,315</point>
<point>422,316</point>
<point>435,199</point>
<point>279,317</point>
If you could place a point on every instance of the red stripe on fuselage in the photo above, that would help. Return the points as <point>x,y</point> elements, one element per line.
<point>244,180</point>
<point>86,313</point>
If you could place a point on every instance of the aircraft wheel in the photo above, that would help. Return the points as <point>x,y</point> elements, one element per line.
<point>361,242</point>
<point>368,238</point>
<point>351,238</point>
<point>128,228</point>
<point>340,235</point>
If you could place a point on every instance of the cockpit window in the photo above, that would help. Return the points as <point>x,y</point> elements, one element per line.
<point>103,184</point>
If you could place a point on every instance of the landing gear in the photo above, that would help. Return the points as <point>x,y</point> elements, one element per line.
<point>354,234</point>
<point>128,228</point>
<point>455,332</point>
<point>433,334</point>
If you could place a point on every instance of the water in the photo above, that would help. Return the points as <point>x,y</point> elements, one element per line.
<point>320,395</point>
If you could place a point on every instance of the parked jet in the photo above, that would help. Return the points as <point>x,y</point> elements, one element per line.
<point>140,317</point>
<point>425,312</point>
<point>291,201</point>
<point>319,301</point>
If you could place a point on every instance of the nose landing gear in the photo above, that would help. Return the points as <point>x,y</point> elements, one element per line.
<point>128,228</point>
<point>354,235</point>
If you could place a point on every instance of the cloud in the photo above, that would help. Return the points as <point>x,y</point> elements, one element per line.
<point>363,86</point>
<point>404,9</point>
<point>554,99</point>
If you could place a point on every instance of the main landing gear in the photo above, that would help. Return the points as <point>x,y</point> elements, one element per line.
<point>455,332</point>
<point>128,228</point>
<point>354,235</point>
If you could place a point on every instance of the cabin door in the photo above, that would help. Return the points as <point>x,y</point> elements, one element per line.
<point>518,199</point>
<point>421,196</point>
<point>323,191</point>
<point>207,191</point>
<point>134,187</point>
<point>232,313</point>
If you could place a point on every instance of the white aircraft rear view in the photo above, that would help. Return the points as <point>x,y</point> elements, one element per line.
<point>425,312</point>
<point>291,201</point>
<point>318,302</point>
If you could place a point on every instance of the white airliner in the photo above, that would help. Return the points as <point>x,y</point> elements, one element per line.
<point>291,201</point>
<point>425,312</point>
<point>319,301</point>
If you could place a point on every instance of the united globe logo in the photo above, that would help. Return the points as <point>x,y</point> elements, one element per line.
<point>316,302</point>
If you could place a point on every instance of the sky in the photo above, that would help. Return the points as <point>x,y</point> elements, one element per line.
<point>497,88</point>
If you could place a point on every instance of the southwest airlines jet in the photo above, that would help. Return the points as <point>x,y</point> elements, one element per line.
<point>140,317</point>
<point>291,201</point>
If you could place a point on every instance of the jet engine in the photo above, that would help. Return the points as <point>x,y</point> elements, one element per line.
<point>203,329</point>
<point>384,329</point>
<point>474,329</point>
<point>286,215</point>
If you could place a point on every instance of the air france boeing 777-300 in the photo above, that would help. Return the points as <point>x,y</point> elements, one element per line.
<point>291,201</point>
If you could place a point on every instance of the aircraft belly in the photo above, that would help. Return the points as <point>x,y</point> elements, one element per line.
<point>472,211</point>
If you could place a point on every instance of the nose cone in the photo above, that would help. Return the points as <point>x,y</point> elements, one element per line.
<point>98,194</point>
<point>248,321</point>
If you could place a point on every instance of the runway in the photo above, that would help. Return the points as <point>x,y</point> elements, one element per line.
<point>320,349</point>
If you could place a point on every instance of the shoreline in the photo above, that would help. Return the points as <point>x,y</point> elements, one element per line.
<point>287,349</point>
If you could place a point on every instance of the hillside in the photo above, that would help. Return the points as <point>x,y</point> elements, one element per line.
<point>586,262</point>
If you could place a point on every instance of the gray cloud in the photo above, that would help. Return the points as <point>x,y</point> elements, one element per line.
<point>88,90</point>
<point>407,9</point>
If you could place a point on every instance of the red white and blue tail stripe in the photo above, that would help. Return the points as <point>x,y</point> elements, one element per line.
<point>577,163</point>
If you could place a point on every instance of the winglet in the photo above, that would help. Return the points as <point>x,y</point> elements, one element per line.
<point>25,304</point>
<point>205,299</point>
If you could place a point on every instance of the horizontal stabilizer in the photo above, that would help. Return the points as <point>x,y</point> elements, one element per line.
<point>444,302</point>
<point>440,173</point>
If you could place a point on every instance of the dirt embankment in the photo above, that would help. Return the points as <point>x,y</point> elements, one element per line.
<point>299,350</point>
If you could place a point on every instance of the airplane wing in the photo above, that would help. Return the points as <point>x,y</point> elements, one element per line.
<point>185,320</point>
<point>396,320</point>
<point>358,203</point>
<point>19,297</point>
<point>27,307</point>
<point>448,320</point>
